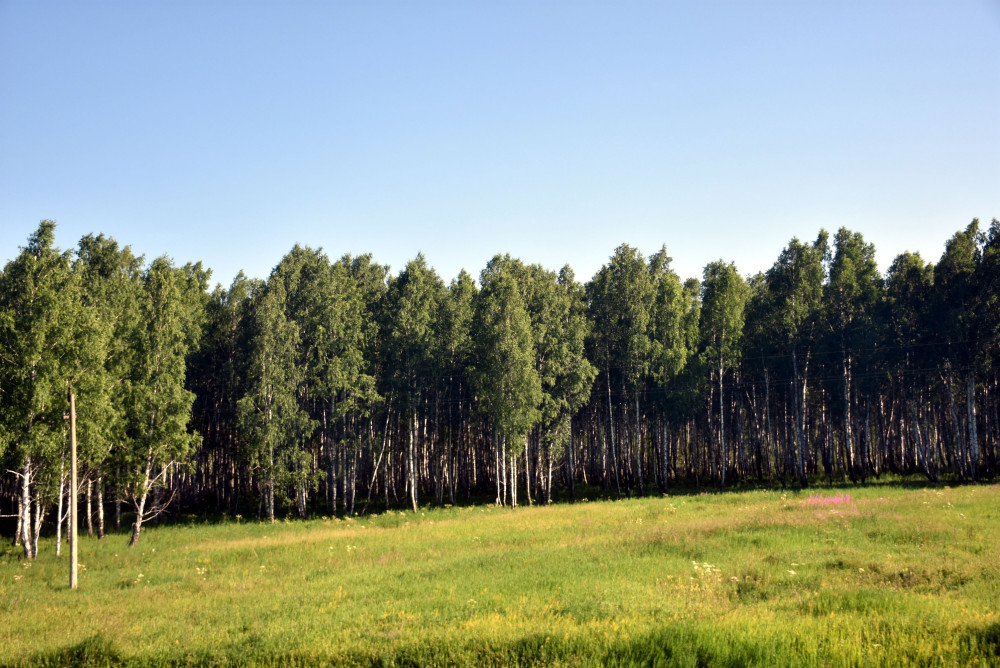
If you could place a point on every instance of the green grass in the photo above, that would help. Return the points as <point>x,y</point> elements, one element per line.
<point>901,576</point>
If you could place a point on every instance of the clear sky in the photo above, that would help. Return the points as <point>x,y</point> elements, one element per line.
<point>555,131</point>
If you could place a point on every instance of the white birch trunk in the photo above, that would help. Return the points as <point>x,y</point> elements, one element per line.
<point>413,462</point>
<point>527,469</point>
<point>100,507</point>
<point>140,511</point>
<point>970,394</point>
<point>638,445</point>
<point>496,466</point>
<point>59,506</point>
<point>270,498</point>
<point>611,432</point>
<point>513,481</point>
<point>548,482</point>
<point>20,522</point>
<point>39,512</point>
<point>800,450</point>
<point>90,509</point>
<point>664,458</point>
<point>25,508</point>
<point>722,430</point>
<point>571,463</point>
<point>848,440</point>
<point>962,456</point>
<point>503,463</point>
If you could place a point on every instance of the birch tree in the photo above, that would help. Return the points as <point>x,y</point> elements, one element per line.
<point>111,281</point>
<point>955,326</point>
<point>674,339</point>
<point>851,297</point>
<point>559,328</point>
<point>271,422</point>
<point>411,339</point>
<point>505,377</point>
<point>50,338</point>
<point>620,296</point>
<point>455,353</point>
<point>795,282</point>
<point>724,298</point>
<point>158,405</point>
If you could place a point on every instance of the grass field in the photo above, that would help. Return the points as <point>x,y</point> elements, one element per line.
<point>879,575</point>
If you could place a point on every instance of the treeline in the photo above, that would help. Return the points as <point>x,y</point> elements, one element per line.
<point>336,387</point>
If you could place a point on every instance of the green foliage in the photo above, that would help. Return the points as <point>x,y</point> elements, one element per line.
<point>40,316</point>
<point>672,335</point>
<point>270,418</point>
<point>567,375</point>
<point>909,282</point>
<point>724,295</point>
<point>506,381</point>
<point>111,281</point>
<point>955,295</point>
<point>327,305</point>
<point>853,296</point>
<point>158,406</point>
<point>218,372</point>
<point>619,295</point>
<point>853,291</point>
<point>987,280</point>
<point>795,287</point>
<point>411,330</point>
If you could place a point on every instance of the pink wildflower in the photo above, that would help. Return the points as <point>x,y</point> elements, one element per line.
<point>841,498</point>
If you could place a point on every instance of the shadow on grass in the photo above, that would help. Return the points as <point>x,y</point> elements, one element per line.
<point>670,646</point>
<point>92,652</point>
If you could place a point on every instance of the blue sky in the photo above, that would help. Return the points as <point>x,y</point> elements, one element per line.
<point>228,131</point>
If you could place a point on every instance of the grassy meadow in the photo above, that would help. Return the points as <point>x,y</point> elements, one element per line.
<point>880,575</point>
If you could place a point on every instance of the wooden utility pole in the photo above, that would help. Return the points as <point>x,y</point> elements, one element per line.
<point>73,579</point>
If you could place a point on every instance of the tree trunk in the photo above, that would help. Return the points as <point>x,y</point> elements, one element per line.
<point>327,443</point>
<point>139,513</point>
<point>100,507</point>
<point>25,508</point>
<point>548,484</point>
<point>798,409</point>
<point>39,512</point>
<point>611,433</point>
<point>59,507</point>
<point>571,464</point>
<point>270,498</point>
<point>970,394</point>
<point>665,455</point>
<point>962,456</point>
<point>20,522</point>
<point>527,469</point>
<point>848,442</point>
<point>768,436</point>
<point>922,453</point>
<point>710,423</point>
<point>722,432</point>
<point>513,480</point>
<point>866,443</point>
<point>352,482</point>
<point>638,445</point>
<point>412,464</point>
<point>90,507</point>
<point>501,485</point>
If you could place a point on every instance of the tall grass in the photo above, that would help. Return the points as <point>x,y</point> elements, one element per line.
<point>895,576</point>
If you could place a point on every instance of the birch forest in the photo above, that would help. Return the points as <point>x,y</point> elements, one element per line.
<point>339,387</point>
